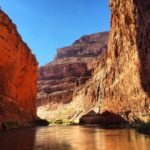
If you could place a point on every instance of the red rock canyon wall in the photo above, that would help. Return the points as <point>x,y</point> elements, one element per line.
<point>18,75</point>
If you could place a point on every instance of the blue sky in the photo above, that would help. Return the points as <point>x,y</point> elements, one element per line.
<point>46,25</point>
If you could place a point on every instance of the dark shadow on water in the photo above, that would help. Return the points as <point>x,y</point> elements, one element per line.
<point>17,139</point>
<point>30,139</point>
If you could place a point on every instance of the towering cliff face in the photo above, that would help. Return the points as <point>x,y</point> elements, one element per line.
<point>18,75</point>
<point>125,84</point>
<point>122,81</point>
<point>71,68</point>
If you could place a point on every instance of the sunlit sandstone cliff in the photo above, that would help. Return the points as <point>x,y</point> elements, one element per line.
<point>18,75</point>
<point>121,82</point>
<point>125,79</point>
<point>71,68</point>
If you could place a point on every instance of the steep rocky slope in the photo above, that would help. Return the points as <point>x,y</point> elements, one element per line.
<point>18,75</point>
<point>124,80</point>
<point>125,85</point>
<point>71,68</point>
<point>121,82</point>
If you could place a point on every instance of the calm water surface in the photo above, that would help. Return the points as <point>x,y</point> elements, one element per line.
<point>73,138</point>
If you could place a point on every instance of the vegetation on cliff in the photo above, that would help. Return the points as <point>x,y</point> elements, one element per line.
<point>144,128</point>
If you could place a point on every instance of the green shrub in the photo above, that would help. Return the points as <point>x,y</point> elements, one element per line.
<point>40,122</point>
<point>144,128</point>
<point>61,121</point>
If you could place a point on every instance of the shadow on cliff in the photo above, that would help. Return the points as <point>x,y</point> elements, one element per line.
<point>143,44</point>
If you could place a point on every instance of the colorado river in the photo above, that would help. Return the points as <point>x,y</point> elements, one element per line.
<point>73,138</point>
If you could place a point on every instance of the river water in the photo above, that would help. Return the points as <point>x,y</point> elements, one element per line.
<point>73,138</point>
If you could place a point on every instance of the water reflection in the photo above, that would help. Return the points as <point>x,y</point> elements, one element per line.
<point>73,138</point>
<point>17,139</point>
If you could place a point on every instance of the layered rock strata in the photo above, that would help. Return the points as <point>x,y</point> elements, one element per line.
<point>120,83</point>
<point>71,68</point>
<point>18,75</point>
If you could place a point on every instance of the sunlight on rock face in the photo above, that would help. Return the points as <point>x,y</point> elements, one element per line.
<point>18,75</point>
<point>120,81</point>
<point>60,79</point>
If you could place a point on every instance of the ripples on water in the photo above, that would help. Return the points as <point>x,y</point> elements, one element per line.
<point>73,138</point>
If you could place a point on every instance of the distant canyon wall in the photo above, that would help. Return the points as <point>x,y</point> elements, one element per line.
<point>72,67</point>
<point>18,75</point>
<point>121,81</point>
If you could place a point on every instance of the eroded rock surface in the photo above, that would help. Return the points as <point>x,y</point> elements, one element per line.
<point>125,78</point>
<point>71,68</point>
<point>121,81</point>
<point>18,75</point>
